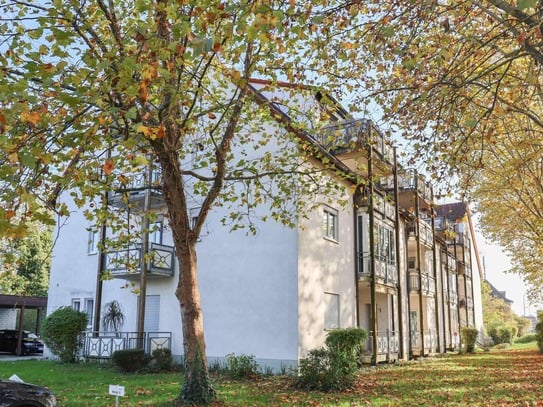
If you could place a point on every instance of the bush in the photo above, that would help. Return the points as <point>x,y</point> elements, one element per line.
<point>334,367</point>
<point>325,369</point>
<point>539,331</point>
<point>350,340</point>
<point>527,338</point>
<point>503,334</point>
<point>160,361</point>
<point>241,366</point>
<point>62,333</point>
<point>129,360</point>
<point>469,338</point>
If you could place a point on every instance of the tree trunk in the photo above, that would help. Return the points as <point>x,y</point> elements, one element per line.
<point>197,389</point>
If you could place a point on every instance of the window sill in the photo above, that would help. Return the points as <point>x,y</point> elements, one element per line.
<point>331,240</point>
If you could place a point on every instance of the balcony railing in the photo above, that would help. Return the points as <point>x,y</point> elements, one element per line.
<point>463,240</point>
<point>385,272</point>
<point>126,263</point>
<point>445,227</point>
<point>131,188</point>
<point>430,341</point>
<point>428,282</point>
<point>102,345</point>
<point>388,345</point>
<point>410,181</point>
<point>424,230</point>
<point>351,135</point>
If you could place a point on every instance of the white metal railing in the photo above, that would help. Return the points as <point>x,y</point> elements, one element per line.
<point>426,282</point>
<point>387,342</point>
<point>423,230</point>
<point>348,134</point>
<point>430,341</point>
<point>102,345</point>
<point>128,261</point>
<point>386,272</point>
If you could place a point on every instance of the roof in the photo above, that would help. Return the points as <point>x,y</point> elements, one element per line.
<point>18,301</point>
<point>453,211</point>
<point>498,294</point>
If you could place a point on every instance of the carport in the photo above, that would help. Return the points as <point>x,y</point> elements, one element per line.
<point>23,303</point>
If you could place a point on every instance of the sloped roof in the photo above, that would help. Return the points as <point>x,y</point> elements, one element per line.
<point>453,211</point>
<point>498,294</point>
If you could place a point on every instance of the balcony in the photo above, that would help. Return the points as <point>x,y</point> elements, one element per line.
<point>424,231</point>
<point>444,228</point>
<point>130,189</point>
<point>385,272</point>
<point>430,343</point>
<point>463,239</point>
<point>354,135</point>
<point>411,181</point>
<point>102,345</point>
<point>388,346</point>
<point>428,283</point>
<point>126,263</point>
<point>453,298</point>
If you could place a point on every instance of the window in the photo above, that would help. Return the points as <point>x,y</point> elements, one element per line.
<point>193,215</point>
<point>155,233</point>
<point>330,224</point>
<point>385,243</point>
<point>89,310</point>
<point>331,311</point>
<point>92,244</point>
<point>76,304</point>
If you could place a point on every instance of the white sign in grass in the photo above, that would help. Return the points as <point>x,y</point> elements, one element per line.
<point>116,390</point>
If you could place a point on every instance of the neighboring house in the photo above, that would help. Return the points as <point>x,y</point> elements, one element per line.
<point>387,262</point>
<point>494,292</point>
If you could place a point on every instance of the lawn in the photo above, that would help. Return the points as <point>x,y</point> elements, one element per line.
<point>510,377</point>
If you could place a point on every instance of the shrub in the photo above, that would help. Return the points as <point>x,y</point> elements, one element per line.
<point>325,369</point>
<point>350,340</point>
<point>129,360</point>
<point>62,333</point>
<point>334,367</point>
<point>503,334</point>
<point>539,331</point>
<point>241,366</point>
<point>160,361</point>
<point>527,338</point>
<point>469,338</point>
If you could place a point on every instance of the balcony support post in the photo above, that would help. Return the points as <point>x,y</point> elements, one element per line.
<point>398,262</point>
<point>419,259</point>
<point>372,254</point>
<point>144,254</point>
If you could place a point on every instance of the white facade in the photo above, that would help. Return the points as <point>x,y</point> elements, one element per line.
<point>277,293</point>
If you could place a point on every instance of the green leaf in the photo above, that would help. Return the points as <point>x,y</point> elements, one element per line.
<point>524,4</point>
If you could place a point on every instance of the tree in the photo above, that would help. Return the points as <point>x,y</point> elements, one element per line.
<point>62,333</point>
<point>462,83</point>
<point>93,93</point>
<point>497,314</point>
<point>26,262</point>
<point>113,317</point>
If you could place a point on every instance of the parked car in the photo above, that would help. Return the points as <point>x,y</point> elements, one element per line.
<point>16,394</point>
<point>30,342</point>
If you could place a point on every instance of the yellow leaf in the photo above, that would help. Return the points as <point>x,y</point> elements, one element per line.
<point>31,117</point>
<point>108,166</point>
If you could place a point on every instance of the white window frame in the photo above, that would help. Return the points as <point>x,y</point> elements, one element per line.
<point>92,243</point>
<point>89,311</point>
<point>76,304</point>
<point>331,311</point>
<point>330,225</point>
<point>156,232</point>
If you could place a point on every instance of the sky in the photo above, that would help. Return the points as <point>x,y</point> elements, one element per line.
<point>496,263</point>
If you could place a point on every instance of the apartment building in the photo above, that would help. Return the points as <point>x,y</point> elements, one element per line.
<point>389,261</point>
